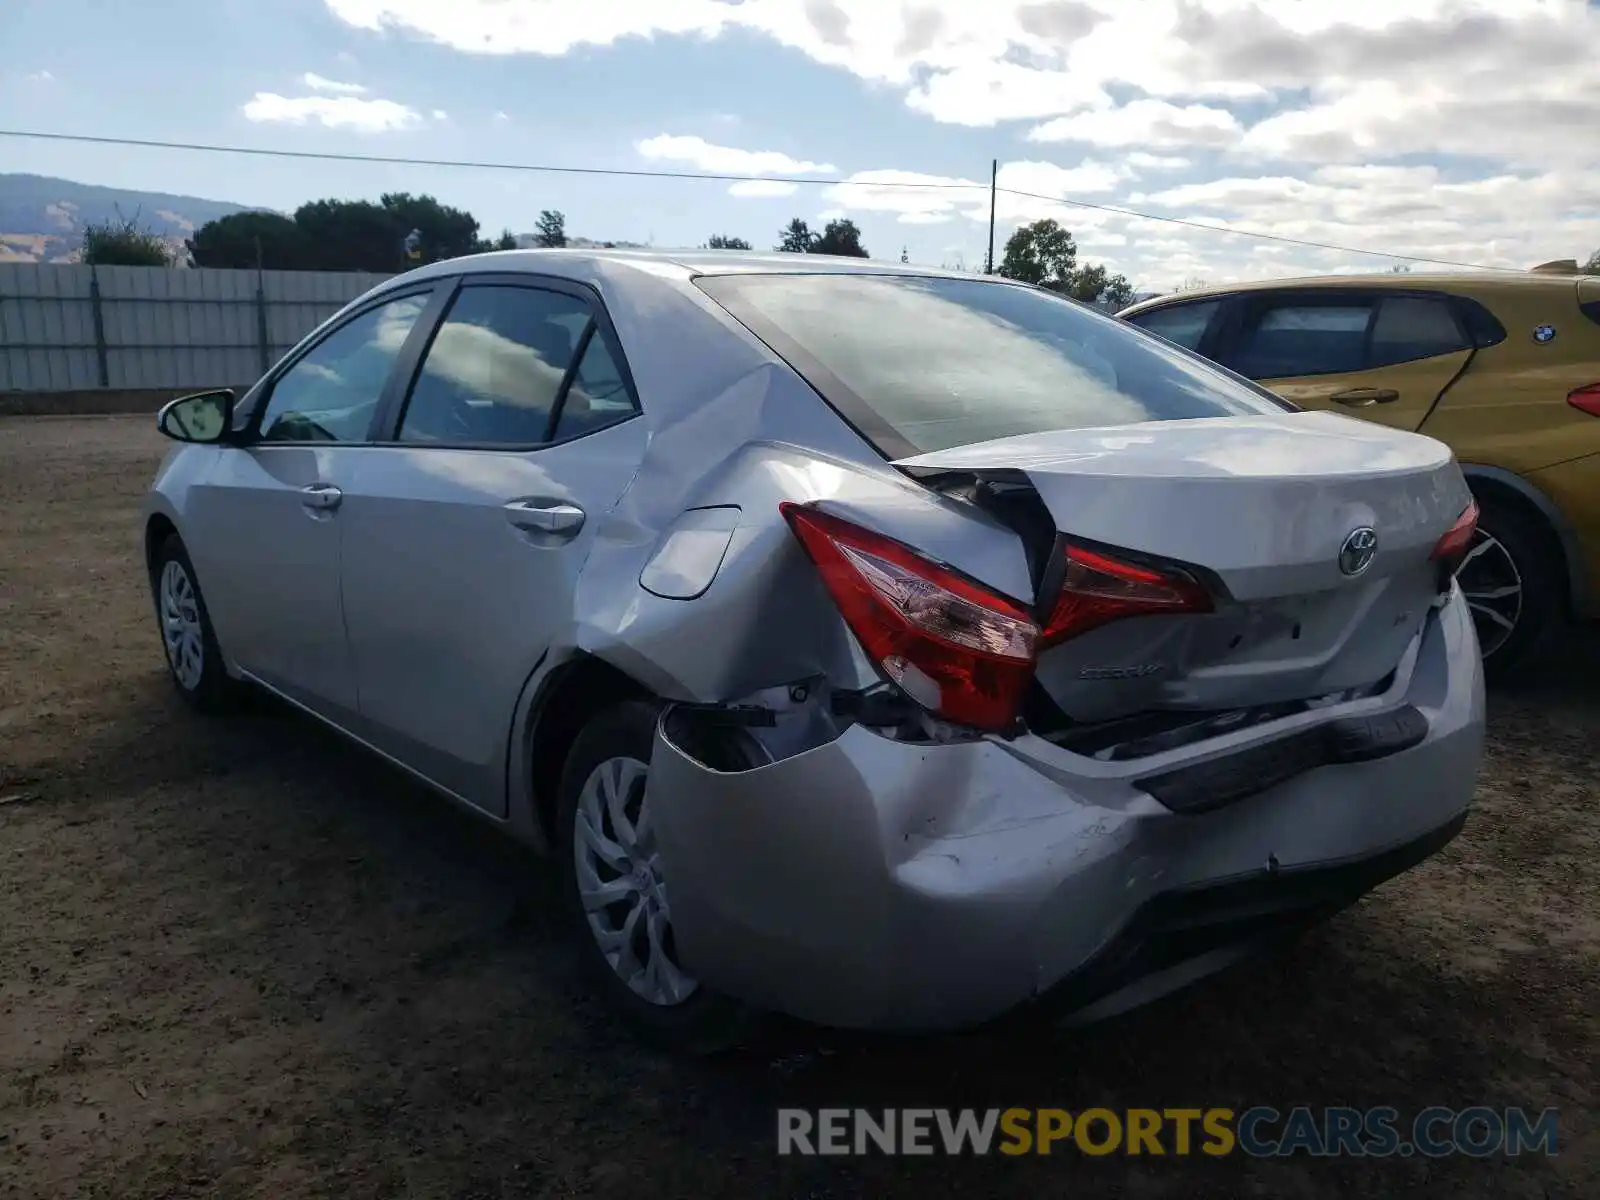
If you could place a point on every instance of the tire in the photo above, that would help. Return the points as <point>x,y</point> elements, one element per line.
<point>188,641</point>
<point>1513,549</point>
<point>698,1021</point>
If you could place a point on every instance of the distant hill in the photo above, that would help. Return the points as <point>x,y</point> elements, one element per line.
<point>43,219</point>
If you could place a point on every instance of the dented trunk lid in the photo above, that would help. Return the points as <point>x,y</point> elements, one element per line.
<point>1257,508</point>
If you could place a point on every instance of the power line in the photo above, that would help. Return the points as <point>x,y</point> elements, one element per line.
<point>719,177</point>
<point>543,168</point>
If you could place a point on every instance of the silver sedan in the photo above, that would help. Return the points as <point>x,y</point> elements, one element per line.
<point>886,647</point>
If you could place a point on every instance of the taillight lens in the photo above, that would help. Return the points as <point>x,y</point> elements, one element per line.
<point>961,651</point>
<point>1453,546</point>
<point>1586,399</point>
<point>1098,589</point>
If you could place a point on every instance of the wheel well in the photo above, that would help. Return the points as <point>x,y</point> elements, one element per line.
<point>1489,490</point>
<point>156,531</point>
<point>579,691</point>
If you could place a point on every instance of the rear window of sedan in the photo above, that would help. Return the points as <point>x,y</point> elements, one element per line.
<point>924,363</point>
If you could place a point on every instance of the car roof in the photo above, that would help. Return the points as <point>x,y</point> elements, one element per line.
<point>682,264</point>
<point>1458,282</point>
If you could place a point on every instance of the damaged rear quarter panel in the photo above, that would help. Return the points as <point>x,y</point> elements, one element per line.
<point>732,426</point>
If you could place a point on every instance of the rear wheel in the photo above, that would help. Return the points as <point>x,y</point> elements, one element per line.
<point>618,896</point>
<point>193,657</point>
<point>1512,580</point>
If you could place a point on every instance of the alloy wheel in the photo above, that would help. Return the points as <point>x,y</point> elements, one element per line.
<point>1492,586</point>
<point>181,630</point>
<point>621,886</point>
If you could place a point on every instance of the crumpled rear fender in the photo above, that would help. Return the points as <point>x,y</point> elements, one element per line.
<point>763,619</point>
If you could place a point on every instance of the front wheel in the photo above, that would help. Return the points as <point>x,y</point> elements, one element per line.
<point>617,893</point>
<point>193,657</point>
<point>1512,580</point>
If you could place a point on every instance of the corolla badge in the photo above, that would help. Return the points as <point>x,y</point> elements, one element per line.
<point>1359,549</point>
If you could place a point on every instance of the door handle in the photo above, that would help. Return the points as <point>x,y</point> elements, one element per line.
<point>323,497</point>
<point>530,515</point>
<point>1361,397</point>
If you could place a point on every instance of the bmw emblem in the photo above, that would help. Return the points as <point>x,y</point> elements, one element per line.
<point>1359,549</point>
<point>1544,334</point>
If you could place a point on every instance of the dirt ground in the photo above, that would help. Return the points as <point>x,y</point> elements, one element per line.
<point>238,958</point>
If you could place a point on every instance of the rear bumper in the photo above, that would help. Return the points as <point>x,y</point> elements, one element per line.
<point>876,884</point>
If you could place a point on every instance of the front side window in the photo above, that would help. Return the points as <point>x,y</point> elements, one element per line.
<point>923,363</point>
<point>330,393</point>
<point>495,367</point>
<point>1184,324</point>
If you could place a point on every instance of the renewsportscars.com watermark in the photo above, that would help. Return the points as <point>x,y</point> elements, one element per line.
<point>1258,1132</point>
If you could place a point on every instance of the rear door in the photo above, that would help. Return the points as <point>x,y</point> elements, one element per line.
<point>1383,356</point>
<point>465,530</point>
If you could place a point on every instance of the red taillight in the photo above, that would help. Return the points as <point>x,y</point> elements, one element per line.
<point>961,651</point>
<point>1586,399</point>
<point>1453,546</point>
<point>1099,589</point>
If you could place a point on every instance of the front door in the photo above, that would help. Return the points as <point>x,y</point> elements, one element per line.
<point>464,535</point>
<point>267,531</point>
<point>1382,357</point>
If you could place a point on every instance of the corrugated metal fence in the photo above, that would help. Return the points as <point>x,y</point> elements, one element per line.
<point>66,327</point>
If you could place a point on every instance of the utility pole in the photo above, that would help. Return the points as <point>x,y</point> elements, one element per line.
<point>994,178</point>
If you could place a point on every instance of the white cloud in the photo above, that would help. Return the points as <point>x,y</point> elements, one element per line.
<point>762,188</point>
<point>439,114</point>
<point>1301,119</point>
<point>335,112</point>
<point>502,117</point>
<point>42,77</point>
<point>1153,123</point>
<point>319,83</point>
<point>1156,162</point>
<point>726,160</point>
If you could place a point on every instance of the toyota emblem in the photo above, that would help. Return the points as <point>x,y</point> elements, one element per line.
<point>1359,549</point>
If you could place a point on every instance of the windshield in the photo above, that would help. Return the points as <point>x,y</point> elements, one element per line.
<point>921,363</point>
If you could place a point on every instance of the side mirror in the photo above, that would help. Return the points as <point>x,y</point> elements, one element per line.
<point>206,417</point>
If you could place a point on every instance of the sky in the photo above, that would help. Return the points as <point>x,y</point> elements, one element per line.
<point>1459,130</point>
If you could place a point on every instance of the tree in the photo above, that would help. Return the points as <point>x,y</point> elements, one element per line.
<point>446,232</point>
<point>124,243</point>
<point>506,241</point>
<point>1043,254</point>
<point>1192,283</point>
<point>358,235</point>
<point>551,229</point>
<point>721,241</point>
<point>351,235</point>
<point>1592,267</point>
<point>797,238</point>
<point>840,237</point>
<point>1400,269</point>
<point>249,239</point>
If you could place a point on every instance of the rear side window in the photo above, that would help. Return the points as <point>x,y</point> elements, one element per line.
<point>1589,298</point>
<point>1304,339</point>
<point>1184,324</point>
<point>495,367</point>
<point>919,364</point>
<point>1409,328</point>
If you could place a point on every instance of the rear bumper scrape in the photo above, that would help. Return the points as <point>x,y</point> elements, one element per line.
<point>870,883</point>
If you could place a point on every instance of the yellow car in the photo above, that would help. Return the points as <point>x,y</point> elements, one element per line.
<point>1504,368</point>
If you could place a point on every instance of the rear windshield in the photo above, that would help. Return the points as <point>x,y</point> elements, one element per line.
<point>919,364</point>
